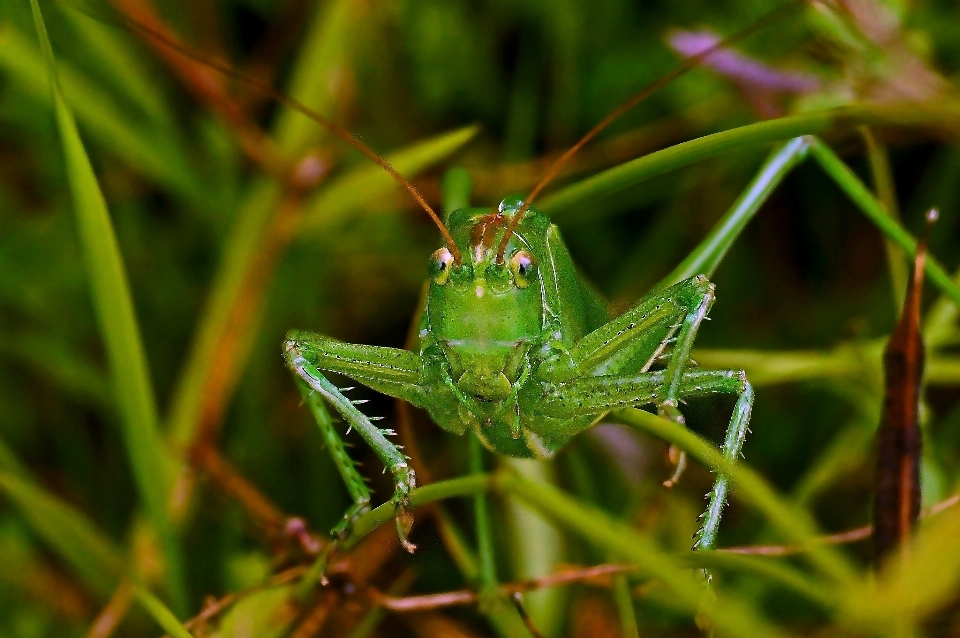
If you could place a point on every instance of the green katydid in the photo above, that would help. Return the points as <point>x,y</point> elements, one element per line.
<point>516,350</point>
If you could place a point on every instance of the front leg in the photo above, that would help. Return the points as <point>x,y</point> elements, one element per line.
<point>387,370</point>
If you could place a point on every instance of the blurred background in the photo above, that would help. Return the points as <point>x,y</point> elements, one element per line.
<point>238,219</point>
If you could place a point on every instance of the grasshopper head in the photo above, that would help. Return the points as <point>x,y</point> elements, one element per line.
<point>485,315</point>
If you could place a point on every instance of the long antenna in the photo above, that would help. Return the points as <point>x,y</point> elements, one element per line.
<point>300,107</point>
<point>687,65</point>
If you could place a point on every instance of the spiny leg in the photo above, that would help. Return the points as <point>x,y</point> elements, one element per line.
<point>356,487</point>
<point>732,445</point>
<point>597,395</point>
<point>614,347</point>
<point>668,397</point>
<point>390,454</point>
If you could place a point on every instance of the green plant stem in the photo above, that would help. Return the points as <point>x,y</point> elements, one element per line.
<point>159,612</point>
<point>867,203</point>
<point>705,258</point>
<point>488,568</point>
<point>794,523</point>
<point>113,303</point>
<point>624,600</point>
<point>730,615</point>
<point>463,486</point>
<point>752,135</point>
<point>887,195</point>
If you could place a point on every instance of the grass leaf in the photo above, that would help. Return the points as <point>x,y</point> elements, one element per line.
<point>114,308</point>
<point>74,538</point>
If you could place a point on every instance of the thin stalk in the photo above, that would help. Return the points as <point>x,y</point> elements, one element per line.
<point>867,203</point>
<point>160,613</point>
<point>790,521</point>
<point>886,192</point>
<point>744,137</point>
<point>504,617</point>
<point>705,258</point>
<point>463,486</point>
<point>624,601</point>
<point>113,302</point>
<point>488,568</point>
<point>730,615</point>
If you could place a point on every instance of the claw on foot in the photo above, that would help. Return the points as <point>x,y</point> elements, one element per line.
<point>679,460</point>
<point>406,483</point>
<point>404,519</point>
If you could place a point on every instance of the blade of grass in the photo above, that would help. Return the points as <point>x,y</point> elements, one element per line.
<point>886,193</point>
<point>705,258</point>
<point>857,191</point>
<point>114,308</point>
<point>97,561</point>
<point>774,367</point>
<point>752,135</point>
<point>502,615</point>
<point>732,616</point>
<point>464,486</point>
<point>362,188</point>
<point>357,190</point>
<point>792,522</point>
<point>151,151</point>
<point>122,64</point>
<point>159,612</point>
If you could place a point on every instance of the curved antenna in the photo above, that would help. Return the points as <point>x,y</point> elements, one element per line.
<point>687,65</point>
<point>303,109</point>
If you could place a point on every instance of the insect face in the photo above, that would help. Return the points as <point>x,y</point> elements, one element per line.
<point>484,315</point>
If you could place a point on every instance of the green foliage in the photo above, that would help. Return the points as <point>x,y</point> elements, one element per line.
<point>159,241</point>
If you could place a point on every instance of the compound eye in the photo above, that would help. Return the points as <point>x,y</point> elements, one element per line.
<point>440,264</point>
<point>522,266</point>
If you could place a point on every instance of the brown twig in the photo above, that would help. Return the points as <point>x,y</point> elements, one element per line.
<point>215,606</point>
<point>258,507</point>
<point>597,573</point>
<point>849,536</point>
<point>317,617</point>
<point>202,81</point>
<point>113,614</point>
<point>517,600</point>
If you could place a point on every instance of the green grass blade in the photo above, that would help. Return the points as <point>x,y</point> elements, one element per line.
<point>705,258</point>
<point>362,188</point>
<point>150,151</point>
<point>793,523</point>
<point>752,135</point>
<point>791,366</point>
<point>114,308</point>
<point>68,532</point>
<point>121,64</point>
<point>732,616</point>
<point>774,569</point>
<point>465,486</point>
<point>329,45</point>
<point>358,191</point>
<point>874,210</point>
<point>159,612</point>
<point>61,364</point>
